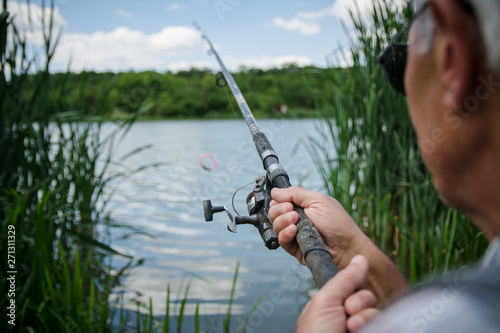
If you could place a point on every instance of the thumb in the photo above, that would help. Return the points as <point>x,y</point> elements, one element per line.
<point>347,281</point>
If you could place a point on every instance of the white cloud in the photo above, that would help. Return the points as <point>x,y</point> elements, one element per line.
<point>306,23</point>
<point>173,48</point>
<point>303,27</point>
<point>123,13</point>
<point>125,49</point>
<point>234,64</point>
<point>184,65</point>
<point>266,62</point>
<point>328,11</point>
<point>28,19</point>
<point>342,8</point>
<point>175,7</point>
<point>364,8</point>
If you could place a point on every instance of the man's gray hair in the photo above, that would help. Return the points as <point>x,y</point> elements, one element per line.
<point>425,29</point>
<point>488,18</point>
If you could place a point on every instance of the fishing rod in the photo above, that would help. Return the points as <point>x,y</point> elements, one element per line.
<point>318,258</point>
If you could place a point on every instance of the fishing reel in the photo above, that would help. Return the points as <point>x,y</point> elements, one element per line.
<point>258,205</point>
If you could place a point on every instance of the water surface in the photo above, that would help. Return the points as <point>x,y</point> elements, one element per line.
<point>166,201</point>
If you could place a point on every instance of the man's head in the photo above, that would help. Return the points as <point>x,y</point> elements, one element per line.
<point>452,83</point>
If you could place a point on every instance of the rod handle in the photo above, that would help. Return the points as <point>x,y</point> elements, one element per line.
<point>318,258</point>
<point>316,255</point>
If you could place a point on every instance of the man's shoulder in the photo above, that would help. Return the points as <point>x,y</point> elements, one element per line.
<point>465,302</point>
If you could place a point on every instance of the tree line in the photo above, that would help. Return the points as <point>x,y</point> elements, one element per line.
<point>192,93</point>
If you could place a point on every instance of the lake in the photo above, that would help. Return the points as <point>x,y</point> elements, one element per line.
<point>166,202</point>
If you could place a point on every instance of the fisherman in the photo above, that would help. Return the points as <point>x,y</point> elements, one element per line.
<point>452,83</point>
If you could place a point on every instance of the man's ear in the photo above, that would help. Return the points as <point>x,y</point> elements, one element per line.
<point>455,49</point>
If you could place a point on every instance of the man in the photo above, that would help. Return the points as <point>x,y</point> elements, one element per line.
<point>452,83</point>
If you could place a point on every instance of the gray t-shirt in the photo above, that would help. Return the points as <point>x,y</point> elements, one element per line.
<point>467,302</point>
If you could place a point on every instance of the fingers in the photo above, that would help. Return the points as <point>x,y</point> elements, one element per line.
<point>359,301</point>
<point>356,322</point>
<point>325,310</point>
<point>298,195</point>
<point>347,281</point>
<point>361,308</point>
<point>278,209</point>
<point>286,237</point>
<point>282,216</point>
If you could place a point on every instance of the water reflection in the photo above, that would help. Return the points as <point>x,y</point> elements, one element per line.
<point>166,201</point>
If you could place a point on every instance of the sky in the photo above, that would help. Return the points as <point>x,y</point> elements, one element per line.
<point>124,35</point>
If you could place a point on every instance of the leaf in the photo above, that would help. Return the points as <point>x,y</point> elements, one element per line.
<point>91,241</point>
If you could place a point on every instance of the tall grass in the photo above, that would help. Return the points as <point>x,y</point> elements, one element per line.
<point>176,314</point>
<point>369,158</point>
<point>54,190</point>
<point>53,179</point>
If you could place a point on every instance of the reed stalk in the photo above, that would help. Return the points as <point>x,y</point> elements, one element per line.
<point>53,176</point>
<point>368,156</point>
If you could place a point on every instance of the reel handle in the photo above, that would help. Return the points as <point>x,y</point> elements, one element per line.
<point>210,210</point>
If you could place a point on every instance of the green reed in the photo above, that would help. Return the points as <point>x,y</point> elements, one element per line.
<point>368,156</point>
<point>175,314</point>
<point>55,184</point>
<point>53,175</point>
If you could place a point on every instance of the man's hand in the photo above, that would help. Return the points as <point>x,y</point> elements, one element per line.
<point>340,297</point>
<point>338,230</point>
<point>343,238</point>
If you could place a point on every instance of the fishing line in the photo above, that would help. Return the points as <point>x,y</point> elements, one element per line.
<point>230,103</point>
<point>221,82</point>
<point>235,192</point>
<point>319,259</point>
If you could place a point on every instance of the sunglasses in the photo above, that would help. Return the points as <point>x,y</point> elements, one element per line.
<point>393,58</point>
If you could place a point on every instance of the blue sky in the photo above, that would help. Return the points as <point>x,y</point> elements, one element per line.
<point>122,35</point>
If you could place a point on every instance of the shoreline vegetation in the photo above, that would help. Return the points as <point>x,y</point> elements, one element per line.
<point>369,158</point>
<point>54,182</point>
<point>193,94</point>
